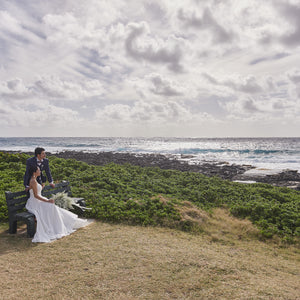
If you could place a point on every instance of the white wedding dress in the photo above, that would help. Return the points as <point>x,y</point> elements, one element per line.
<point>53,222</point>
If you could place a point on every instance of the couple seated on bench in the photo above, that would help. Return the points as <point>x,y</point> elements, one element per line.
<point>53,222</point>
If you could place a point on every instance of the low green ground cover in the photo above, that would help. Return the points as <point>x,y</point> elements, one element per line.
<point>131,194</point>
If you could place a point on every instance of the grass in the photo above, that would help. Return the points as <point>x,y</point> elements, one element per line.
<point>226,260</point>
<point>151,196</point>
<point>215,255</point>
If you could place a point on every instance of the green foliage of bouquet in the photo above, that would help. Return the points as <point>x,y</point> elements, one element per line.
<point>63,200</point>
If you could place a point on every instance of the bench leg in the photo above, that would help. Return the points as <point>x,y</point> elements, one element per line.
<point>30,227</point>
<point>12,226</point>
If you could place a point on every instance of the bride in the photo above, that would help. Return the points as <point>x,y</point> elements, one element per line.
<point>53,222</point>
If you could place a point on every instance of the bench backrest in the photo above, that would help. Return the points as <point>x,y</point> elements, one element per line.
<point>16,201</point>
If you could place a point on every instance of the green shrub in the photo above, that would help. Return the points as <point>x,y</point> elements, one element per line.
<point>127,193</point>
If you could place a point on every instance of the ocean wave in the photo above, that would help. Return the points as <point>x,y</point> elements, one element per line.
<point>268,152</point>
<point>243,151</point>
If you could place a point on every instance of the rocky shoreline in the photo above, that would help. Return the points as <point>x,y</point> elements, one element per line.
<point>240,173</point>
<point>224,170</point>
<point>221,169</point>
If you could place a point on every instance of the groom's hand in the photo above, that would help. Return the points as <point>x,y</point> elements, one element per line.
<point>52,185</point>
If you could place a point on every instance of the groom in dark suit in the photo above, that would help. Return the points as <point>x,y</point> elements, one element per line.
<point>42,162</point>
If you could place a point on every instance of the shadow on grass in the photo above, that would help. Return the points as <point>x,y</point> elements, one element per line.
<point>11,243</point>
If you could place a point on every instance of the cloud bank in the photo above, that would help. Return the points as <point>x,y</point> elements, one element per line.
<point>150,68</point>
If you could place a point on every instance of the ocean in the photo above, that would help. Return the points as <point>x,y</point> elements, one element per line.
<point>264,153</point>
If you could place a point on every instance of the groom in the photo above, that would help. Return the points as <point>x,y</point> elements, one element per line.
<point>42,162</point>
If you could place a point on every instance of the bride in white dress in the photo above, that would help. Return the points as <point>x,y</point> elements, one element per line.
<point>53,222</point>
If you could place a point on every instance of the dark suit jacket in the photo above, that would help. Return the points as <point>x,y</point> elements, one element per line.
<point>44,167</point>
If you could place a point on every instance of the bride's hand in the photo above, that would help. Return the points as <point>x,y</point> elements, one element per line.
<point>51,200</point>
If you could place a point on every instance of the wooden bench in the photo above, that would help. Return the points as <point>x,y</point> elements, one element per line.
<point>16,206</point>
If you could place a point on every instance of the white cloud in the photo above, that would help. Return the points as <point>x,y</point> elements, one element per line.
<point>9,24</point>
<point>43,118</point>
<point>206,22</point>
<point>164,87</point>
<point>54,87</point>
<point>152,50</point>
<point>294,83</point>
<point>248,85</point>
<point>294,76</point>
<point>150,67</point>
<point>263,109</point>
<point>14,87</point>
<point>291,12</point>
<point>144,112</point>
<point>51,88</point>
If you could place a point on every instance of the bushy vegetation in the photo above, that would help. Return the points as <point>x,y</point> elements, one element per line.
<point>132,194</point>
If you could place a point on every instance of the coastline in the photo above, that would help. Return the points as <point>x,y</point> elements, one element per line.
<point>232,172</point>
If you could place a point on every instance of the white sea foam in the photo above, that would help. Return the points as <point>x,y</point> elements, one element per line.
<point>266,153</point>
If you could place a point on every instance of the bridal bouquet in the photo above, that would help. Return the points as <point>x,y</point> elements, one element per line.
<point>63,200</point>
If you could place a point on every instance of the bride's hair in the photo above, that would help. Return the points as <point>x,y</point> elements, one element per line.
<point>32,170</point>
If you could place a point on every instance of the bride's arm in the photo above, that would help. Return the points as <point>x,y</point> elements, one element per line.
<point>34,184</point>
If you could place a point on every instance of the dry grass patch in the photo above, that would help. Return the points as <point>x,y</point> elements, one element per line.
<point>218,224</point>
<point>105,261</point>
<point>222,226</point>
<point>191,216</point>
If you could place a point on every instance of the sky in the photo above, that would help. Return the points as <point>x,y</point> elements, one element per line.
<point>180,68</point>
